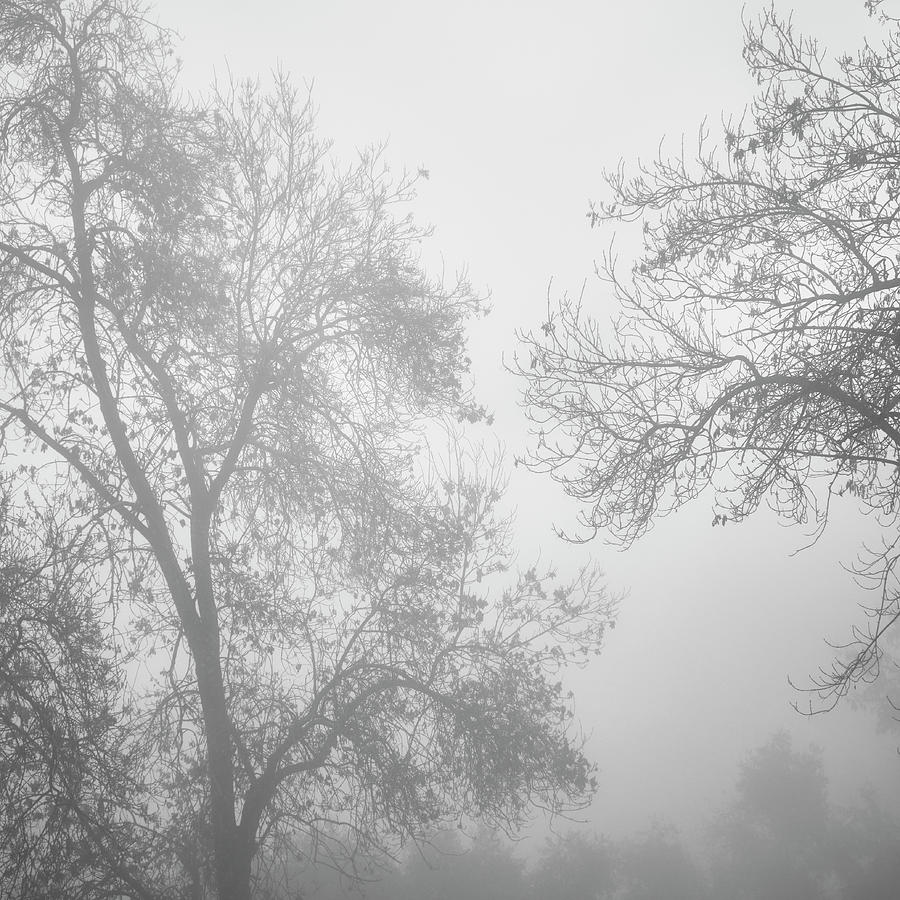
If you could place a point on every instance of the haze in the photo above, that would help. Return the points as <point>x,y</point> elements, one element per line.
<point>515,108</point>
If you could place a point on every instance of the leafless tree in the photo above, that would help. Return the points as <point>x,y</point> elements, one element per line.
<point>220,350</point>
<point>757,353</point>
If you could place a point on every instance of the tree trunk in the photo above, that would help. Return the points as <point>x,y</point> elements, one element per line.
<point>232,864</point>
<point>232,851</point>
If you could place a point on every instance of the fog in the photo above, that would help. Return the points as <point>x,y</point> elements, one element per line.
<point>515,109</point>
<point>512,111</point>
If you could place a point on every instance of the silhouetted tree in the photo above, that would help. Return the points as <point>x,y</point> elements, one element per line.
<point>656,866</point>
<point>220,348</point>
<point>452,867</point>
<point>757,354</point>
<point>780,837</point>
<point>575,867</point>
<point>773,842</point>
<point>866,852</point>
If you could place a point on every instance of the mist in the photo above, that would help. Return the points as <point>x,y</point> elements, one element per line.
<point>515,110</point>
<point>713,751</point>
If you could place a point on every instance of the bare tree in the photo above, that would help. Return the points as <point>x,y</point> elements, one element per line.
<point>220,349</point>
<point>757,353</point>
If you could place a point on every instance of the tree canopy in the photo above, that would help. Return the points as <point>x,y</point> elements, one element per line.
<point>222,361</point>
<point>755,358</point>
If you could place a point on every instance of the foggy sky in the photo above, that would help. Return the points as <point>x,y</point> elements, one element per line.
<point>515,108</point>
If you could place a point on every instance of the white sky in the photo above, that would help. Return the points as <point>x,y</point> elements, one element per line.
<point>515,108</point>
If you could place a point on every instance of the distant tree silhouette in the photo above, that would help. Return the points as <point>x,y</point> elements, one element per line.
<point>865,852</point>
<point>456,868</point>
<point>779,838</point>
<point>575,867</point>
<point>774,841</point>
<point>655,865</point>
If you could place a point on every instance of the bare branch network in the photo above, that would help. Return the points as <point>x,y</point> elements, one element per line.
<point>237,619</point>
<point>757,352</point>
